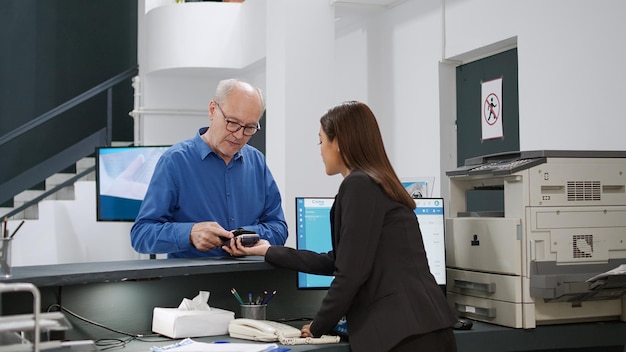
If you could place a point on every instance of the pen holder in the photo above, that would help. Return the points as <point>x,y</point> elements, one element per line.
<point>253,311</point>
<point>5,257</point>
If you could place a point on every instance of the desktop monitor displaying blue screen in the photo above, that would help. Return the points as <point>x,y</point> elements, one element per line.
<point>122,178</point>
<point>313,233</point>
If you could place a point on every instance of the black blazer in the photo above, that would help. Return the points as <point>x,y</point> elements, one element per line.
<point>382,281</point>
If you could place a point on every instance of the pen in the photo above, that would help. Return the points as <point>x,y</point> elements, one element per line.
<point>250,297</point>
<point>267,300</point>
<point>234,292</point>
<point>15,231</point>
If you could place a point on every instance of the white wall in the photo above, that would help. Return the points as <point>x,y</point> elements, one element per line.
<point>570,74</point>
<point>401,61</point>
<point>409,36</point>
<point>67,232</point>
<point>299,90</point>
<point>184,50</point>
<point>571,71</point>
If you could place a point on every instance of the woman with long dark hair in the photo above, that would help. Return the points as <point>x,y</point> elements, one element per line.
<point>382,283</point>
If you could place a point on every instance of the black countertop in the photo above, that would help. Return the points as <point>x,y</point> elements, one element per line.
<point>608,336</point>
<point>130,270</point>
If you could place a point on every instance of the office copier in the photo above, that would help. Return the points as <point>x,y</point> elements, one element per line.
<point>555,251</point>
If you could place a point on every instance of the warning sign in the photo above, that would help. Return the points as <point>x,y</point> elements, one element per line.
<point>491,109</point>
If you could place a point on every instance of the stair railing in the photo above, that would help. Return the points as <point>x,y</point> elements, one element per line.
<point>105,86</point>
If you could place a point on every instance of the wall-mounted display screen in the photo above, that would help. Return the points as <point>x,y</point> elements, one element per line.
<point>122,178</point>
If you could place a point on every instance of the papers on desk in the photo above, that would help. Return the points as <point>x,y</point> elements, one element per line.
<point>189,345</point>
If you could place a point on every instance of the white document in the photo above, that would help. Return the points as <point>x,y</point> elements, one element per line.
<point>189,345</point>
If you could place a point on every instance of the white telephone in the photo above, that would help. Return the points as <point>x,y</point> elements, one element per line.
<point>267,331</point>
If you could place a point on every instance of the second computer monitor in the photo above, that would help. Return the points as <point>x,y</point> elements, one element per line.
<point>313,233</point>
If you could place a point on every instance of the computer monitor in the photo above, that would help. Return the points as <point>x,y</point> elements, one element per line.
<point>431,217</point>
<point>122,178</point>
<point>313,233</point>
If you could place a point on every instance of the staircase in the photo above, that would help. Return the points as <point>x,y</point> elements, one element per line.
<point>16,193</point>
<point>59,186</point>
<point>60,222</point>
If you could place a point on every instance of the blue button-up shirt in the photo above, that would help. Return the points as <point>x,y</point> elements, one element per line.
<point>191,184</point>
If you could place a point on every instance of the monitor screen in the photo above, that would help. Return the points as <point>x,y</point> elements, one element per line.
<point>431,217</point>
<point>313,233</point>
<point>122,178</point>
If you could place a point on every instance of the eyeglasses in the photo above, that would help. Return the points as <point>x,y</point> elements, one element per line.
<point>232,126</point>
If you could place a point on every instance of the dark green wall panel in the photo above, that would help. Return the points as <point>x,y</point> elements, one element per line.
<point>50,52</point>
<point>469,108</point>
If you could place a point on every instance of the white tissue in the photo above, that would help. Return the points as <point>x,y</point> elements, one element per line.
<point>200,302</point>
<point>193,318</point>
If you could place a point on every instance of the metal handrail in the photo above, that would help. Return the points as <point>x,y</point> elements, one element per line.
<point>53,190</point>
<point>68,105</point>
<point>106,134</point>
<point>105,137</point>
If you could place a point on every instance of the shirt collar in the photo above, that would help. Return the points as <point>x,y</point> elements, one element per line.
<point>204,149</point>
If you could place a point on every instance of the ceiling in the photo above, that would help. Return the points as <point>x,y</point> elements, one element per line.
<point>350,13</point>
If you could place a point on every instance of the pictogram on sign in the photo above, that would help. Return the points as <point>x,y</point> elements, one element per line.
<point>491,101</point>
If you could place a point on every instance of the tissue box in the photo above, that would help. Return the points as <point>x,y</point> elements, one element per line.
<point>177,323</point>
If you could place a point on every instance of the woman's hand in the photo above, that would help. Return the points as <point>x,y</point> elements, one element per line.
<point>306,331</point>
<point>236,249</point>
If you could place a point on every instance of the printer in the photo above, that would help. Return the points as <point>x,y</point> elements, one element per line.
<point>554,248</point>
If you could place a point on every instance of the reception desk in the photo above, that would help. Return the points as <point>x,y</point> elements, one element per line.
<point>121,296</point>
<point>605,337</point>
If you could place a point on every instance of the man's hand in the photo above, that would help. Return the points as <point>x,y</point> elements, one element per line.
<point>208,235</point>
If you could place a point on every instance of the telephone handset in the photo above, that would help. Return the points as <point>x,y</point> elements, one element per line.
<point>268,331</point>
<point>260,330</point>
